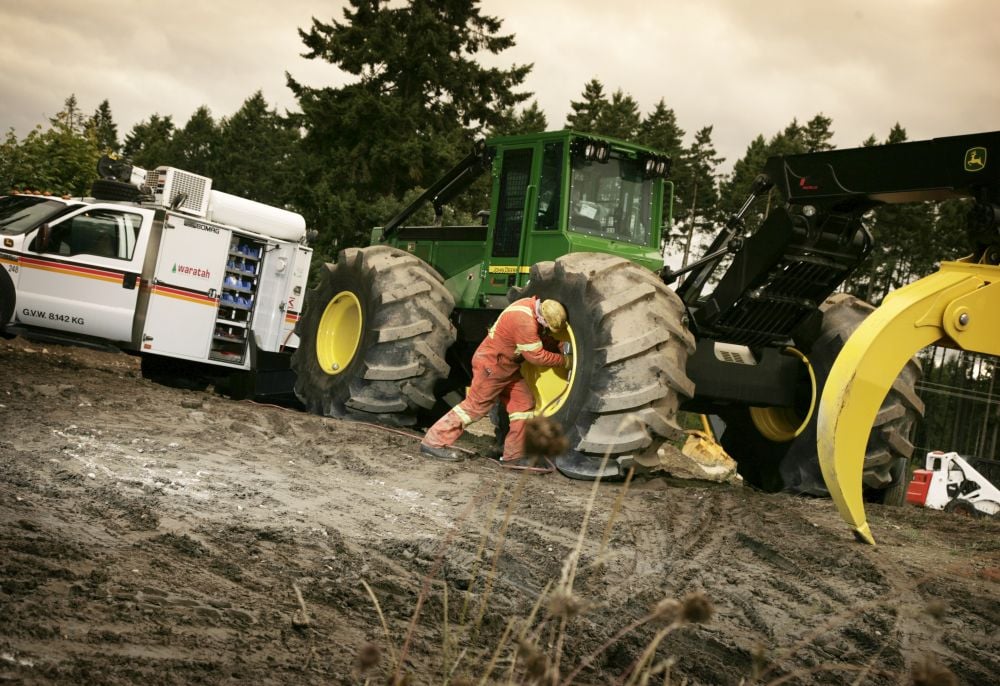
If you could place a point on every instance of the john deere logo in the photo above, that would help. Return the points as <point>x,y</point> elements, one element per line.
<point>975,159</point>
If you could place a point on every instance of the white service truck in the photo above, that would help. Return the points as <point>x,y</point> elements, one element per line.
<point>161,265</point>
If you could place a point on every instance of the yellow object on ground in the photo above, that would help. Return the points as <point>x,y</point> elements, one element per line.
<point>700,458</point>
<point>957,306</point>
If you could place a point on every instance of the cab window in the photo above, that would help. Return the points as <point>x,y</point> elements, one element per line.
<point>102,233</point>
<point>611,200</point>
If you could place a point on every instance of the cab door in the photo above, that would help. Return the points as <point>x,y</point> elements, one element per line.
<point>512,208</point>
<point>85,279</point>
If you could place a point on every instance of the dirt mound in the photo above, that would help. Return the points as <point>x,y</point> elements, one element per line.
<point>154,535</point>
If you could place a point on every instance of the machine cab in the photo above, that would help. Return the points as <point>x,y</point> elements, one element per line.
<point>551,194</point>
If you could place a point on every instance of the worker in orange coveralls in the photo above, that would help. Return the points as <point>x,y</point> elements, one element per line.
<point>496,375</point>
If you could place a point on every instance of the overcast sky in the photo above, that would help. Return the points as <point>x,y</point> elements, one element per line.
<point>746,67</point>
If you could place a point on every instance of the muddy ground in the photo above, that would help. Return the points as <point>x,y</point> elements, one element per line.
<point>155,535</point>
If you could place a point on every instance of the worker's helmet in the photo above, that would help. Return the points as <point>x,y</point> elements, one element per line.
<point>554,314</point>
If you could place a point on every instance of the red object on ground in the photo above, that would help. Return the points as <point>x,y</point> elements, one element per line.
<point>916,492</point>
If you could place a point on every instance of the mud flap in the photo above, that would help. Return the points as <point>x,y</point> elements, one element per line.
<point>579,466</point>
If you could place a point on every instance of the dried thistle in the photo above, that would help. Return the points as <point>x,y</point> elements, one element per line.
<point>368,656</point>
<point>536,663</point>
<point>565,605</point>
<point>666,611</point>
<point>696,608</point>
<point>929,672</point>
<point>936,609</point>
<point>544,438</point>
<point>759,661</point>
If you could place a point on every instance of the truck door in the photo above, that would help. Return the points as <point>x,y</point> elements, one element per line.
<point>85,278</point>
<point>184,295</point>
<point>511,213</point>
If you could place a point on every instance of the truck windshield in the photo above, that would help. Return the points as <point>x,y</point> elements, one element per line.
<point>21,213</point>
<point>611,200</point>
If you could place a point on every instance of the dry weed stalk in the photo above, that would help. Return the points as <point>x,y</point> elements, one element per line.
<point>484,534</point>
<point>381,617</point>
<point>397,675</point>
<point>501,540</point>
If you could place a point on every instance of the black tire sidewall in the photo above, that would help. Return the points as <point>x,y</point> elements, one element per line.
<point>7,298</point>
<point>347,274</point>
<point>109,189</point>
<point>571,291</point>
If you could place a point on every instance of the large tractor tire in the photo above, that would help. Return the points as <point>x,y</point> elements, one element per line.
<point>7,299</point>
<point>630,348</point>
<point>794,464</point>
<point>373,336</point>
<point>109,189</point>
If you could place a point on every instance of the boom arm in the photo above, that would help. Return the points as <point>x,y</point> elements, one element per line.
<point>445,188</point>
<point>804,250</point>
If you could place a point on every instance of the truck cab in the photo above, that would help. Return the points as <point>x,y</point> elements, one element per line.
<point>75,267</point>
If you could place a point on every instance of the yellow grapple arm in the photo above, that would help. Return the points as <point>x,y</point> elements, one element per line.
<point>957,306</point>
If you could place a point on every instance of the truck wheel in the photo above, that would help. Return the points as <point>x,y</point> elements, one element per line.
<point>890,435</point>
<point>6,300</point>
<point>963,508</point>
<point>889,447</point>
<point>630,346</point>
<point>109,189</point>
<point>373,337</point>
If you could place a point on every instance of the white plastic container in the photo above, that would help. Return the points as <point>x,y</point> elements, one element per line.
<point>269,221</point>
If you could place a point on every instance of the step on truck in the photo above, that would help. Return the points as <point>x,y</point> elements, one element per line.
<point>200,284</point>
<point>749,333</point>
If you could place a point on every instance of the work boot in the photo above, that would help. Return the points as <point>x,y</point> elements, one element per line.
<point>443,453</point>
<point>532,465</point>
<point>495,451</point>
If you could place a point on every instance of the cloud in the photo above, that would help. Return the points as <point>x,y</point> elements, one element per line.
<point>745,68</point>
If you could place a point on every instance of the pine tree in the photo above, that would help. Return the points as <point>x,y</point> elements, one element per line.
<point>530,119</point>
<point>196,147</point>
<point>148,144</point>
<point>257,154</point>
<point>659,130</point>
<point>418,99</point>
<point>817,134</point>
<point>102,126</point>
<point>586,113</point>
<point>619,118</point>
<point>698,194</point>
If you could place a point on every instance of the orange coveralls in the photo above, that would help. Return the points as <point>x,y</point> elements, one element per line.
<point>496,374</point>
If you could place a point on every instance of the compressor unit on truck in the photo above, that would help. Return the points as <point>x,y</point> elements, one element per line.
<point>195,281</point>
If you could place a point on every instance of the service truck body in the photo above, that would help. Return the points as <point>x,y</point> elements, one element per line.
<point>217,280</point>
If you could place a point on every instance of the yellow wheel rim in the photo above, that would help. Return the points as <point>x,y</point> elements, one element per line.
<point>778,424</point>
<point>782,424</point>
<point>551,385</point>
<point>339,333</point>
